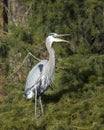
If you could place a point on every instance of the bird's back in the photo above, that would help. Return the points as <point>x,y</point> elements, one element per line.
<point>38,77</point>
<point>34,74</point>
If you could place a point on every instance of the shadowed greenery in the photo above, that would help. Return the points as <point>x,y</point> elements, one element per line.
<point>77,101</point>
<point>74,104</point>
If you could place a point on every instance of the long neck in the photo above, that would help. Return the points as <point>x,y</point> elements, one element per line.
<point>51,56</point>
<point>51,62</point>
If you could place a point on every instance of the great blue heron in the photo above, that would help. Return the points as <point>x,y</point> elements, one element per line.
<point>40,77</point>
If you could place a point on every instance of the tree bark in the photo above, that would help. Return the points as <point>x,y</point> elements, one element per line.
<point>12,12</point>
<point>1,18</point>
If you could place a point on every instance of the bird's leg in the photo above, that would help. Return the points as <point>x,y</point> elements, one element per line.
<point>42,111</point>
<point>35,103</point>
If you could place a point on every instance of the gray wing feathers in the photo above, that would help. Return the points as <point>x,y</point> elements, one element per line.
<point>34,74</point>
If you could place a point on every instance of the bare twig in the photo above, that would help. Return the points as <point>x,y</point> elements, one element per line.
<point>29,54</point>
<point>26,13</point>
<point>34,56</point>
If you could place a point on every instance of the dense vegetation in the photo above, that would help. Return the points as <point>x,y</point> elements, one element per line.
<point>77,102</point>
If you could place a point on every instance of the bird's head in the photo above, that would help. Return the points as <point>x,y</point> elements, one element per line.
<point>54,37</point>
<point>28,93</point>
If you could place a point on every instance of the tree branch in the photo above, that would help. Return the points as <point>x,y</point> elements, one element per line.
<point>26,13</point>
<point>9,13</point>
<point>29,54</point>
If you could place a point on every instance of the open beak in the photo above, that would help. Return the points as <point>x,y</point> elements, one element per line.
<point>61,35</point>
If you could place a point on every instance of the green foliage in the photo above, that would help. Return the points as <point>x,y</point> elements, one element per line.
<point>83,69</point>
<point>76,103</point>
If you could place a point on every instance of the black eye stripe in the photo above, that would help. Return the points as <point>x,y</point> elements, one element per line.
<point>52,34</point>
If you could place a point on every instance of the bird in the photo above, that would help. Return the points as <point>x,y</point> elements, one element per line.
<point>41,75</point>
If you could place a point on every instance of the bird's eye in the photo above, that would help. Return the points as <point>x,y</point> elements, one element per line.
<point>50,34</point>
